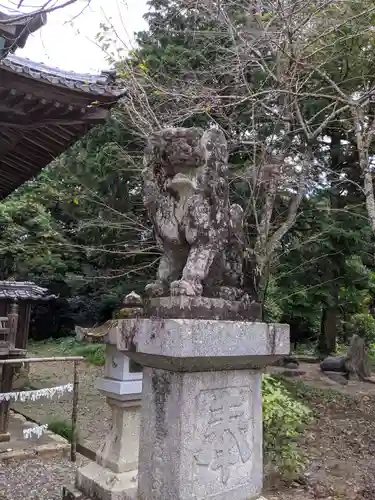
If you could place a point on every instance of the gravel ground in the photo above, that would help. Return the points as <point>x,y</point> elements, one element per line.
<point>93,412</point>
<point>345,427</point>
<point>36,479</point>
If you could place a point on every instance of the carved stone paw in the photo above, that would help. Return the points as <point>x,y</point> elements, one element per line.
<point>155,289</point>
<point>183,287</point>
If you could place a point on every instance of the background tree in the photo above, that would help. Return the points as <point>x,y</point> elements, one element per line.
<point>271,75</point>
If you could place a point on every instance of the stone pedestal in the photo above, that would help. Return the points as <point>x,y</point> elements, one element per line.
<point>201,436</point>
<point>201,427</point>
<point>201,423</point>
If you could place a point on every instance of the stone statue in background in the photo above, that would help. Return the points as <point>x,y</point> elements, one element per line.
<point>187,197</point>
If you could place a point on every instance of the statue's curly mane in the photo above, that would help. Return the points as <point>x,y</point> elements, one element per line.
<point>173,149</point>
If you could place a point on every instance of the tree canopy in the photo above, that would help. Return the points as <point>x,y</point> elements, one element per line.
<point>291,84</point>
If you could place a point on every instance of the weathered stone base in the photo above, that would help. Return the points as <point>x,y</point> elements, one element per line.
<point>201,418</point>
<point>202,308</point>
<point>119,452</point>
<point>201,436</point>
<point>71,493</point>
<point>99,483</point>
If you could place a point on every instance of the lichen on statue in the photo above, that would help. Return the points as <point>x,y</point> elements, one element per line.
<point>199,232</point>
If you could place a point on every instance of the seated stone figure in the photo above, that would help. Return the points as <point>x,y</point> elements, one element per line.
<point>198,231</point>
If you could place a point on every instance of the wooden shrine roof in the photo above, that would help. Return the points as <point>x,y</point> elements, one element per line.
<point>44,110</point>
<point>23,290</point>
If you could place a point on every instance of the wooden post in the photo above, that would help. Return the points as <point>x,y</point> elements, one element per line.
<point>5,386</point>
<point>12,325</point>
<point>8,372</point>
<point>73,449</point>
<point>24,314</point>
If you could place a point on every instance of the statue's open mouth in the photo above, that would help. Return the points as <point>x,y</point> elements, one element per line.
<point>182,182</point>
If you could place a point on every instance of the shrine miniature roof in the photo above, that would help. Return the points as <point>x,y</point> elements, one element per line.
<point>43,110</point>
<point>23,290</point>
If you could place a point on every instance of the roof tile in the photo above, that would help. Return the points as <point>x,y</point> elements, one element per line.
<point>100,84</point>
<point>23,290</point>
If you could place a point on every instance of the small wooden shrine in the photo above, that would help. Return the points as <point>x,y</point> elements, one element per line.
<point>19,296</point>
<point>16,299</point>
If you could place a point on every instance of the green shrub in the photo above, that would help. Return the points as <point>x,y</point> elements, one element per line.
<point>371,353</point>
<point>62,428</point>
<point>362,324</point>
<point>271,305</point>
<point>93,353</point>
<point>341,349</point>
<point>284,419</point>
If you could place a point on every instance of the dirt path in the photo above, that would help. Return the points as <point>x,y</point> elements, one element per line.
<point>340,444</point>
<point>315,378</point>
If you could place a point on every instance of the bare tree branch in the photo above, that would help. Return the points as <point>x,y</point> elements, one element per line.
<point>43,9</point>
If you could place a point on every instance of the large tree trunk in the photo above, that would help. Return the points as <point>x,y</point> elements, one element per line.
<point>364,135</point>
<point>356,364</point>
<point>357,361</point>
<point>328,331</point>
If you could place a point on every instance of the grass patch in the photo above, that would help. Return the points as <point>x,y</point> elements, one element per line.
<point>93,353</point>
<point>61,427</point>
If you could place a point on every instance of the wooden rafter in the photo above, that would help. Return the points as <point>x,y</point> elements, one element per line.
<point>42,112</point>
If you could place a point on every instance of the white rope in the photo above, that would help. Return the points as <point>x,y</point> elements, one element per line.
<point>37,394</point>
<point>36,431</point>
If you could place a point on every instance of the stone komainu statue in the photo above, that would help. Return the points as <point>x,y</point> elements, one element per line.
<point>187,197</point>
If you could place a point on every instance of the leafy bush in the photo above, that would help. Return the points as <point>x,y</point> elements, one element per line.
<point>271,305</point>
<point>93,353</point>
<point>62,428</point>
<point>362,324</point>
<point>371,353</point>
<point>284,419</point>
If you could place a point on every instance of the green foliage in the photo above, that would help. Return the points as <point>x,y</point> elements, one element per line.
<point>62,428</point>
<point>29,237</point>
<point>284,419</point>
<point>362,324</point>
<point>305,349</point>
<point>93,353</point>
<point>80,228</point>
<point>272,304</point>
<point>371,353</point>
<point>325,265</point>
